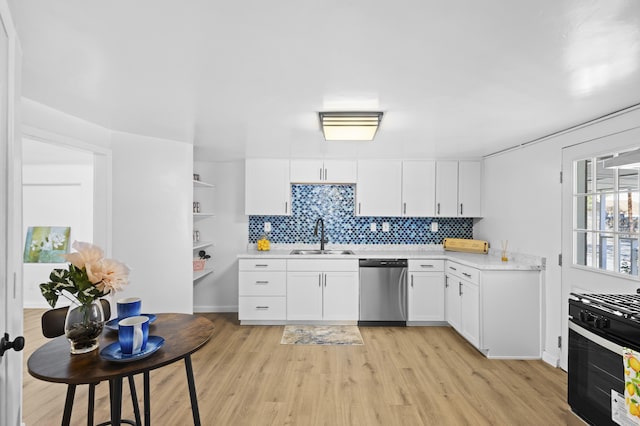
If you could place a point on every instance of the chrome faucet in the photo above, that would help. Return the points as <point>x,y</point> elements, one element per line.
<point>315,233</point>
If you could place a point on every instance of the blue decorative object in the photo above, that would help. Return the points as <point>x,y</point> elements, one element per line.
<point>335,204</point>
<point>114,353</point>
<point>113,324</point>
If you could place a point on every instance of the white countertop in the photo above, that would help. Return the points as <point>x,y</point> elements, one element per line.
<point>489,262</point>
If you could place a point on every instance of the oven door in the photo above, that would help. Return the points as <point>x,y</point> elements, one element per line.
<point>595,368</point>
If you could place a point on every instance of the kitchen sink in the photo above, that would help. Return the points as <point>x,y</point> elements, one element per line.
<point>343,252</point>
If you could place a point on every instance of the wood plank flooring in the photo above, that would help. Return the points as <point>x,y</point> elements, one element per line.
<point>401,376</point>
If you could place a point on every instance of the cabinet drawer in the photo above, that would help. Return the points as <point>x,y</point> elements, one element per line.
<point>267,283</point>
<point>262,308</point>
<point>337,265</point>
<point>465,272</point>
<point>262,264</point>
<point>426,265</point>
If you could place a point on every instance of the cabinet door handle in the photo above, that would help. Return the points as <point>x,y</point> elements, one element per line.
<point>460,208</point>
<point>320,173</point>
<point>286,206</point>
<point>452,268</point>
<point>325,174</point>
<point>404,208</point>
<point>319,280</point>
<point>411,280</point>
<point>359,208</point>
<point>446,281</point>
<point>438,212</point>
<point>460,288</point>
<point>262,282</point>
<point>260,265</point>
<point>426,266</point>
<point>325,280</point>
<point>262,308</point>
<point>466,275</point>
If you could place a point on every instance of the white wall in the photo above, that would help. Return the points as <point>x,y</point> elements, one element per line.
<point>54,195</point>
<point>218,292</point>
<point>150,209</point>
<point>522,204</point>
<point>152,223</point>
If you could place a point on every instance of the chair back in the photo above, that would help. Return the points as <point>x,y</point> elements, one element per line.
<point>53,320</point>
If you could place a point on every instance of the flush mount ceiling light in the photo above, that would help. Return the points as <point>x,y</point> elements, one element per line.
<point>349,126</point>
<point>625,160</point>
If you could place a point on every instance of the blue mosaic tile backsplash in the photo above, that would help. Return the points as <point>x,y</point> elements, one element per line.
<point>335,204</point>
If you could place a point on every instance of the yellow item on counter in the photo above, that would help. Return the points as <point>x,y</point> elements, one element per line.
<point>264,244</point>
<point>465,245</point>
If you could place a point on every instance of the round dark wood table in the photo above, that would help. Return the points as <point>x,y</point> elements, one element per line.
<point>184,334</point>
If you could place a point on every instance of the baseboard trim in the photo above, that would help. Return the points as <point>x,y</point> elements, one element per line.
<point>550,359</point>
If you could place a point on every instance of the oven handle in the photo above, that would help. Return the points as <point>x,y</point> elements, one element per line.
<point>613,347</point>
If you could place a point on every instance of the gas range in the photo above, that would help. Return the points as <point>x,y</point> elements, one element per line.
<point>615,317</point>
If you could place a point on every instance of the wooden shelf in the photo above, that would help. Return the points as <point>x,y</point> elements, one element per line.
<point>202,244</point>
<point>200,184</point>
<point>200,274</point>
<point>202,215</point>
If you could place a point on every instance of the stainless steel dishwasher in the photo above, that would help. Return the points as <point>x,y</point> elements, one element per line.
<point>383,292</point>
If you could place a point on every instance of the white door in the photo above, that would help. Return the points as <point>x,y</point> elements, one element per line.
<point>306,171</point>
<point>447,188</point>
<point>340,296</point>
<point>470,313</point>
<point>469,181</point>
<point>10,223</point>
<point>304,296</point>
<point>267,187</point>
<point>576,277</point>
<point>379,188</point>
<point>426,296</point>
<point>452,301</point>
<point>418,188</point>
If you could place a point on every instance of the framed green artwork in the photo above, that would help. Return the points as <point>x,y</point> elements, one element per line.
<point>46,244</point>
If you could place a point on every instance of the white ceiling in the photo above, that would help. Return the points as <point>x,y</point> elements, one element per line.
<point>454,78</point>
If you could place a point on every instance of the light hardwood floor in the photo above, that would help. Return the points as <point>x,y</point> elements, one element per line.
<point>401,376</point>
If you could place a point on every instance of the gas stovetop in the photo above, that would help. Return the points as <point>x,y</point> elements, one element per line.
<point>626,305</point>
<point>613,316</point>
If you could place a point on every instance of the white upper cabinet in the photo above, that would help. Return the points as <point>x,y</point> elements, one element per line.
<point>446,189</point>
<point>418,188</point>
<point>469,185</point>
<point>267,187</point>
<point>327,171</point>
<point>379,188</point>
<point>458,189</point>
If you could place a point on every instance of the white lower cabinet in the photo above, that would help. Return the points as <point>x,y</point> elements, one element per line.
<point>322,290</point>
<point>262,289</point>
<point>497,311</point>
<point>463,305</point>
<point>426,290</point>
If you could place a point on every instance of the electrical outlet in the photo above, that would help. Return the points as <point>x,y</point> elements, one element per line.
<point>267,227</point>
<point>434,226</point>
<point>385,226</point>
<point>373,227</point>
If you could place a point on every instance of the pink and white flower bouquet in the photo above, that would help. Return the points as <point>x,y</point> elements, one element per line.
<point>90,276</point>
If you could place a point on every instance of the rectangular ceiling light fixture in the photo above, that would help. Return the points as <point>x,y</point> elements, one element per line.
<point>350,126</point>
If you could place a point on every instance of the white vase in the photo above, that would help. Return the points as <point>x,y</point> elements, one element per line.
<point>83,326</point>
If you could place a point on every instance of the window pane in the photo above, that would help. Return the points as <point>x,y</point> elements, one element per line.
<point>604,212</point>
<point>628,249</point>
<point>604,178</point>
<point>583,249</point>
<point>628,179</point>
<point>604,252</point>
<point>628,211</point>
<point>583,176</point>
<point>583,209</point>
